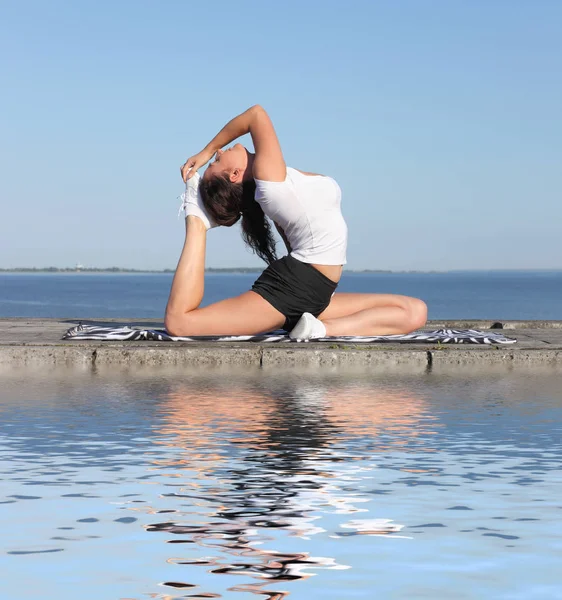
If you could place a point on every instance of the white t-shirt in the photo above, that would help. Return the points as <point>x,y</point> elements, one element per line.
<point>308,210</point>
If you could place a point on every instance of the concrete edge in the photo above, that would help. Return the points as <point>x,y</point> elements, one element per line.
<point>309,355</point>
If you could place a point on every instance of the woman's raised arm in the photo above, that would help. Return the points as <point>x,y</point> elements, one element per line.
<point>269,163</point>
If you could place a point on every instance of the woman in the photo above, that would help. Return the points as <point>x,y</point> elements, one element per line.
<point>296,292</point>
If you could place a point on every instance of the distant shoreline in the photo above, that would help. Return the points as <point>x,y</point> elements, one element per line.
<point>242,270</point>
<point>139,271</point>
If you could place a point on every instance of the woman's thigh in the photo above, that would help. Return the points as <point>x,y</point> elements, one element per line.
<point>247,314</point>
<point>344,304</point>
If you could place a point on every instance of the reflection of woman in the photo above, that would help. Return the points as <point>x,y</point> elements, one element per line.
<point>295,292</point>
<point>291,422</point>
<point>270,459</point>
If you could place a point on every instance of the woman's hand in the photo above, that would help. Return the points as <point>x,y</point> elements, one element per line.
<point>234,129</point>
<point>194,163</point>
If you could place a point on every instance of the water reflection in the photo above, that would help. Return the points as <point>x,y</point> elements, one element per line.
<point>259,460</point>
<point>213,485</point>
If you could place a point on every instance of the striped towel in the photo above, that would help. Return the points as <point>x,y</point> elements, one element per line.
<point>441,336</point>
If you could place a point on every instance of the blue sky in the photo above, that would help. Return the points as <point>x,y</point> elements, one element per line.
<point>440,119</point>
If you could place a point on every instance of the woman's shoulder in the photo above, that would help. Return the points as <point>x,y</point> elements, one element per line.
<point>276,190</point>
<point>293,177</point>
<point>290,174</point>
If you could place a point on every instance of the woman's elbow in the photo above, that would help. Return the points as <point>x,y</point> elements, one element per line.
<point>258,109</point>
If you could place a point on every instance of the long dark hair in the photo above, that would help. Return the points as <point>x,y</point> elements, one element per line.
<point>227,202</point>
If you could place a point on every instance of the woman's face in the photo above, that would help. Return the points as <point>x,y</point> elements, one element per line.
<point>226,161</point>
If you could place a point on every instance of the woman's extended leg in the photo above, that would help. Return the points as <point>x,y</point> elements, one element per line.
<point>246,314</point>
<point>373,314</point>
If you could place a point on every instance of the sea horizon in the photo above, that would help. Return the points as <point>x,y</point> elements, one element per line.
<point>230,270</point>
<point>494,294</point>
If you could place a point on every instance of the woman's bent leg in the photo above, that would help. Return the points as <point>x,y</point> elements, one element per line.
<point>188,283</point>
<point>246,314</point>
<point>373,314</point>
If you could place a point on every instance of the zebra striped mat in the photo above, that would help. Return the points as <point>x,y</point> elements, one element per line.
<point>442,336</point>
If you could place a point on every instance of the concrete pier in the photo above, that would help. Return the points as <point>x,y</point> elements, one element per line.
<point>38,342</point>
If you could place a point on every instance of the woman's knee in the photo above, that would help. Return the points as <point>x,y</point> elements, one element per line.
<point>414,314</point>
<point>177,324</point>
<point>417,314</point>
<point>171,325</point>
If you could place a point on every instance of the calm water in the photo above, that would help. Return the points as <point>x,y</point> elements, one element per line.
<point>167,485</point>
<point>466,295</point>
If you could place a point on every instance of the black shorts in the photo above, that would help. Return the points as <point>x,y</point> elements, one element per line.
<point>293,288</point>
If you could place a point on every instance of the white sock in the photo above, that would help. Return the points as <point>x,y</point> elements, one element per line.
<point>307,328</point>
<point>192,203</point>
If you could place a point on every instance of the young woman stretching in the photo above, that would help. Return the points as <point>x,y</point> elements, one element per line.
<point>295,292</point>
